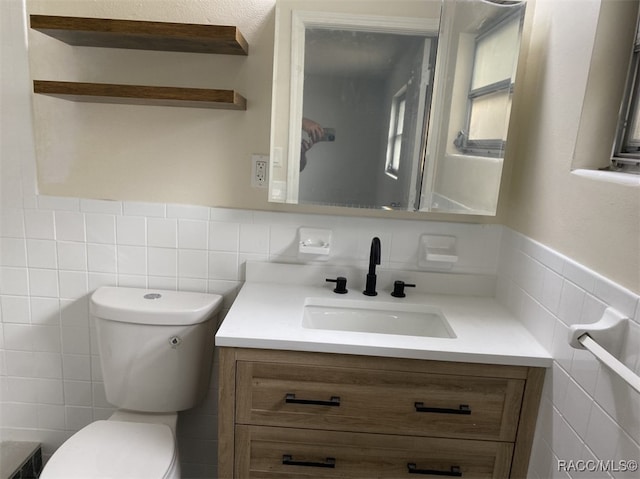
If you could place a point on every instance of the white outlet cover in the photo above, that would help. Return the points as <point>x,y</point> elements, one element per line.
<point>255,182</point>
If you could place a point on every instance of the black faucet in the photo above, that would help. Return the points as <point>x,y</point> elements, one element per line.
<point>374,259</point>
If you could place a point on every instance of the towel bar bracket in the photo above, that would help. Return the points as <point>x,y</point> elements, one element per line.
<point>604,340</point>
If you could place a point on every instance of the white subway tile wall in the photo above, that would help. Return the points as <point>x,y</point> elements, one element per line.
<point>56,251</point>
<point>589,421</point>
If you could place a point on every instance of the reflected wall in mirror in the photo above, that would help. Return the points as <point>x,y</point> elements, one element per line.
<point>479,45</point>
<point>359,84</point>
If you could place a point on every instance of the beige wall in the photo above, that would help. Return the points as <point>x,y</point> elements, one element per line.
<point>182,155</point>
<point>593,221</point>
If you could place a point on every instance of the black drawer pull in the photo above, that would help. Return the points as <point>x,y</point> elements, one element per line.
<point>454,471</point>
<point>291,399</point>
<point>329,462</point>
<point>462,409</point>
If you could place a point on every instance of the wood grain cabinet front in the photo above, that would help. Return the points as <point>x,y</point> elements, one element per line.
<point>282,452</point>
<point>295,414</point>
<point>347,399</point>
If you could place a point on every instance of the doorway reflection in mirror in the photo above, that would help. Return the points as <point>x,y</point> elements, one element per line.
<point>371,86</point>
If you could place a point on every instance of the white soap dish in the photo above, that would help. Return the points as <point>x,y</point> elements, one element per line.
<point>437,250</point>
<point>314,241</point>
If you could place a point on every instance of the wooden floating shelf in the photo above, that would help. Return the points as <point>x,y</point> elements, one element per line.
<point>142,95</point>
<point>142,35</point>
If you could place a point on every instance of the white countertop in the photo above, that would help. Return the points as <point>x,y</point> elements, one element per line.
<point>268,315</point>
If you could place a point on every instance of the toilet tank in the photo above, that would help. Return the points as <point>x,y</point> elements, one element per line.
<point>156,347</point>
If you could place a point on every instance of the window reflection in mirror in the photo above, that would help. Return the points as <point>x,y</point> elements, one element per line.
<point>396,133</point>
<point>478,58</point>
<point>491,87</point>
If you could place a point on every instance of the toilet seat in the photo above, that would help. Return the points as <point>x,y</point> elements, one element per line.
<point>115,449</point>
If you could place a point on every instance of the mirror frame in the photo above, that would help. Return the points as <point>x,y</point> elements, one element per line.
<point>280,188</point>
<point>300,20</point>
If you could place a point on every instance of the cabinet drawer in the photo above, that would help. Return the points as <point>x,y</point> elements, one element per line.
<point>271,452</point>
<point>388,402</point>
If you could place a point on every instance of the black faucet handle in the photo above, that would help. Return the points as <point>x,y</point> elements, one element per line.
<point>341,284</point>
<point>398,288</point>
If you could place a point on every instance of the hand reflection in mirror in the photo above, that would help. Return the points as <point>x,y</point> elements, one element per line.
<point>314,132</point>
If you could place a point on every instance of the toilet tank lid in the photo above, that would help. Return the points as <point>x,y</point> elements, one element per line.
<point>145,306</point>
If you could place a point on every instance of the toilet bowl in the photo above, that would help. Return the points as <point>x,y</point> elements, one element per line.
<point>156,349</point>
<point>118,450</point>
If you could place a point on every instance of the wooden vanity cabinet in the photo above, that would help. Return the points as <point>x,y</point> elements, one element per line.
<point>298,414</point>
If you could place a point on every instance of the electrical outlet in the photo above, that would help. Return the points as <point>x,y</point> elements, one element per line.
<point>259,169</point>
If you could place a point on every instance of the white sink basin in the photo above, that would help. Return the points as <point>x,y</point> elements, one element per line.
<point>375,317</point>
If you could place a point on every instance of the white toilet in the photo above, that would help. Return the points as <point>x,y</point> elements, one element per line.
<point>156,349</point>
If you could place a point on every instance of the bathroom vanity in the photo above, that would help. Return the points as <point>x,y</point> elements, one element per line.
<point>300,401</point>
<point>291,414</point>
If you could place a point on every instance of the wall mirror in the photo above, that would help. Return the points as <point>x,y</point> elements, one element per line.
<point>396,105</point>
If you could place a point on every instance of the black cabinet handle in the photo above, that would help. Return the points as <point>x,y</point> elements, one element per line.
<point>462,409</point>
<point>453,472</point>
<point>329,462</point>
<point>291,399</point>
